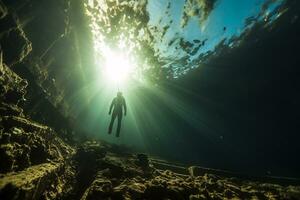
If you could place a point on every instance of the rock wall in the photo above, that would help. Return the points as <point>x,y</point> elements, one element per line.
<point>34,161</point>
<point>41,42</point>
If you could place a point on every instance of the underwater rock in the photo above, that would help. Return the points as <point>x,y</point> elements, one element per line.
<point>21,139</point>
<point>24,143</point>
<point>99,189</point>
<point>88,159</point>
<point>12,87</point>
<point>143,160</point>
<point>7,23</point>
<point>103,173</point>
<point>15,46</point>
<point>44,181</point>
<point>113,183</point>
<point>3,10</point>
<point>34,162</point>
<point>10,109</point>
<point>33,37</point>
<point>200,171</point>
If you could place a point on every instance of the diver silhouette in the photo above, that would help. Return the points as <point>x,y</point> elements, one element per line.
<point>117,103</point>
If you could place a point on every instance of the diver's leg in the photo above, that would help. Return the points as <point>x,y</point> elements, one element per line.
<point>119,123</point>
<point>113,117</point>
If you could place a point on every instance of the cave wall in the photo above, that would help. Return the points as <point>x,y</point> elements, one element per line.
<point>47,43</point>
<point>34,161</point>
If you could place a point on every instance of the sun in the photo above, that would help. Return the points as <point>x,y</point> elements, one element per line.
<point>117,67</point>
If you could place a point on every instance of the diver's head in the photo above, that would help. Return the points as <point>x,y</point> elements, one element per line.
<point>119,94</point>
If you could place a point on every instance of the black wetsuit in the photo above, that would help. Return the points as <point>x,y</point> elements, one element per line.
<point>118,103</point>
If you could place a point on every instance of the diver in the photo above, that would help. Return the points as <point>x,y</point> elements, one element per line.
<point>117,103</point>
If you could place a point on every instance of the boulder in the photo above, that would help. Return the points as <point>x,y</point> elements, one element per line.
<point>44,181</point>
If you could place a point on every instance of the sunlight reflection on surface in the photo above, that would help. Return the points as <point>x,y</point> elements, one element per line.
<point>117,67</point>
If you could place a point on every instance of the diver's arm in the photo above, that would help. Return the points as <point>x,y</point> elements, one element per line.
<point>111,106</point>
<point>125,107</point>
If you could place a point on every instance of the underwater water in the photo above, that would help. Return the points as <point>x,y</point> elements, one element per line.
<point>147,99</point>
<point>211,82</point>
